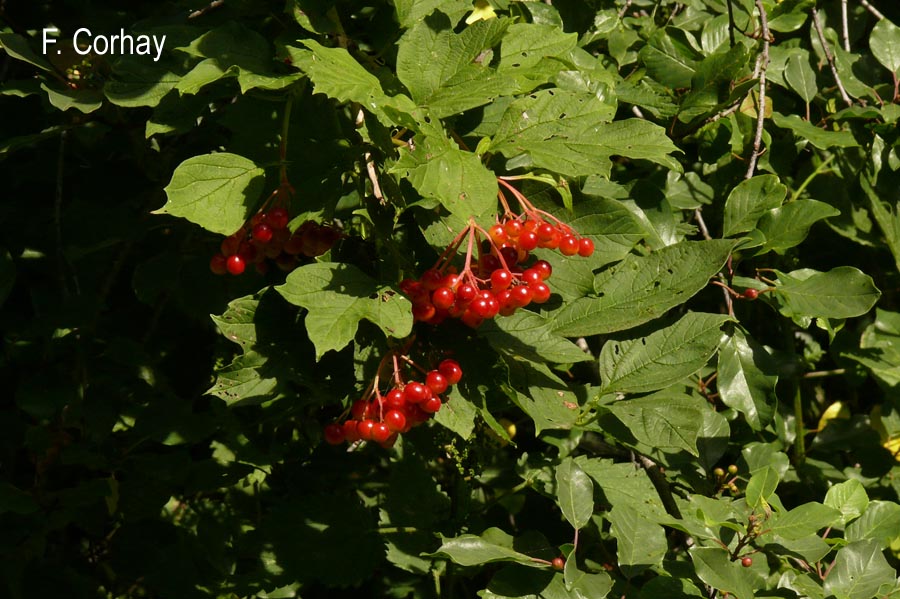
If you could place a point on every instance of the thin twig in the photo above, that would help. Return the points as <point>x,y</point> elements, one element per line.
<point>625,8</point>
<point>698,216</point>
<point>206,9</point>
<point>731,25</point>
<point>817,374</point>
<point>845,32</point>
<point>878,14</point>
<point>637,112</point>
<point>762,62</point>
<point>829,57</point>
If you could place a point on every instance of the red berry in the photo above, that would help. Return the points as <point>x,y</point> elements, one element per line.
<point>436,381</point>
<point>451,371</point>
<point>423,312</point>
<point>513,228</point>
<point>489,263</point>
<point>381,432</point>
<point>545,231</point>
<point>443,298</point>
<point>750,294</point>
<point>747,561</point>
<point>521,296</point>
<point>569,245</point>
<point>466,293</point>
<point>395,420</point>
<point>262,233</point>
<point>334,434</point>
<point>365,428</point>
<point>498,234</point>
<point>217,264</point>
<point>416,392</point>
<point>235,264</point>
<point>531,275</point>
<point>501,279</point>
<point>543,268</point>
<point>394,399</point>
<point>471,319</point>
<point>585,247</point>
<point>278,218</point>
<point>431,279</point>
<point>351,430</point>
<point>553,242</point>
<point>528,240</point>
<point>230,244</point>
<point>558,563</point>
<point>358,409</point>
<point>431,405</point>
<point>540,292</point>
<point>510,255</point>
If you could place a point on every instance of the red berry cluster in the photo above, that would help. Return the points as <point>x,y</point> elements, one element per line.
<point>498,281</point>
<point>266,235</point>
<point>382,418</point>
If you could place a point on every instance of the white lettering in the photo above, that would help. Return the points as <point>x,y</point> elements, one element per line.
<point>143,45</point>
<point>48,40</point>
<point>76,44</point>
<point>159,47</point>
<point>125,39</point>
<point>97,42</point>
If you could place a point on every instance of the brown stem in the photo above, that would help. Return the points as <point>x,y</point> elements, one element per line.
<point>878,14</point>
<point>829,57</point>
<point>845,33</point>
<point>762,62</point>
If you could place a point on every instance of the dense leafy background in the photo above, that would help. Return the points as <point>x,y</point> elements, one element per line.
<point>148,450</point>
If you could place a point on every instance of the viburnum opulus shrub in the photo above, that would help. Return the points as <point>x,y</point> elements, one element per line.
<point>510,299</point>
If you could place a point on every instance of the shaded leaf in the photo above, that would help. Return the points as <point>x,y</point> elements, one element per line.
<point>574,493</point>
<point>842,292</point>
<point>745,381</point>
<point>749,201</point>
<point>640,543</point>
<point>849,498</point>
<point>664,423</point>
<point>714,567</point>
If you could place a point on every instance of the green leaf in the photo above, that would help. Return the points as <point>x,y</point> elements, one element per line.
<point>237,322</point>
<point>82,100</point>
<point>457,415</point>
<point>337,297</point>
<point>670,59</point>
<point>542,395</point>
<point>569,133</point>
<point>859,570</point>
<point>788,225</point>
<point>15,500</point>
<point>749,201</point>
<point>531,54</point>
<point>215,191</point>
<point>803,520</point>
<point>530,336</point>
<point>800,75</point>
<point>623,484</point>
<point>880,522</point>
<point>849,498</point>
<point>17,46</point>
<point>669,587</point>
<point>454,177</point>
<point>410,12</point>
<point>663,357</point>
<point>761,487</point>
<point>640,543</point>
<point>574,493</point>
<point>885,214</point>
<point>335,73</point>
<point>715,568</point>
<point>243,382</point>
<point>713,81</point>
<point>7,274</point>
<point>884,42</point>
<point>447,71</point>
<point>745,381</point>
<point>664,423</point>
<point>493,545</point>
<point>818,137</point>
<point>639,289</point>
<point>139,83</point>
<point>842,292</point>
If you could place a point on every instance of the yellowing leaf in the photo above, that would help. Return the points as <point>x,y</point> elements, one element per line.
<point>483,11</point>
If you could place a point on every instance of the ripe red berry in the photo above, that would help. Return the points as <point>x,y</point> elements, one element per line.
<point>540,292</point>
<point>431,405</point>
<point>498,234</point>
<point>230,244</point>
<point>436,381</point>
<point>394,399</point>
<point>381,432</point>
<point>531,275</point>
<point>466,293</point>
<point>513,228</point>
<point>751,294</point>
<point>358,409</point>
<point>351,430</point>
<point>501,279</point>
<point>489,263</point>
<point>235,264</point>
<point>443,298</point>
<point>263,233</point>
<point>471,319</point>
<point>521,296</point>
<point>510,256</point>
<point>543,268</point>
<point>423,312</point>
<point>217,264</point>
<point>334,434</point>
<point>416,392</point>
<point>365,428</point>
<point>558,563</point>
<point>747,561</point>
<point>431,279</point>
<point>569,245</point>
<point>528,240</point>
<point>545,231</point>
<point>451,371</point>
<point>585,247</point>
<point>395,420</point>
<point>278,218</point>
